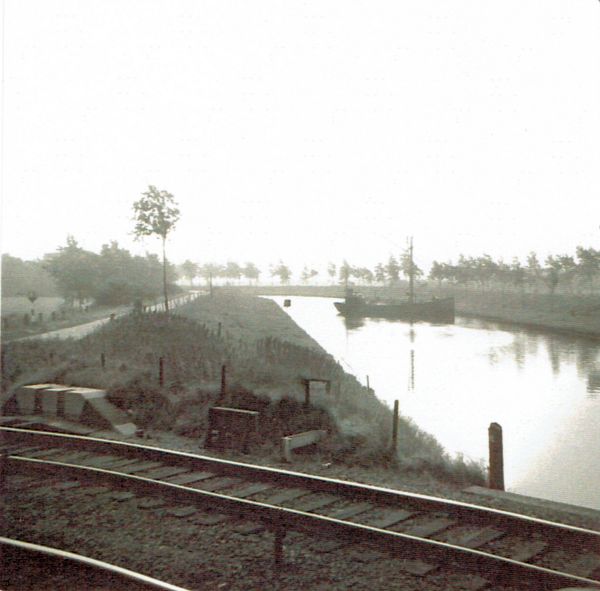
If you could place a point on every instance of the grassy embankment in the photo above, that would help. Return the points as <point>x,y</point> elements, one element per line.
<point>265,353</point>
<point>562,312</point>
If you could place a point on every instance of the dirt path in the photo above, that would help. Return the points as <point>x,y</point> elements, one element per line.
<point>80,330</point>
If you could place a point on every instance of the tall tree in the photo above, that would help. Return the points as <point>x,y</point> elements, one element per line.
<point>283,272</point>
<point>156,213</point>
<point>392,270</point>
<point>74,269</point>
<point>189,270</point>
<point>250,272</point>
<point>345,270</point>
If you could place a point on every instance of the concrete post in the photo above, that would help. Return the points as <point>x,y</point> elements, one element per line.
<point>496,469</point>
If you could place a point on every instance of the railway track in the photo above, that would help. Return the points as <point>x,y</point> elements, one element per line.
<point>429,533</point>
<point>19,558</point>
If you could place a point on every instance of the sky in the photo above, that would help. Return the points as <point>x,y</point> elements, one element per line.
<point>308,131</point>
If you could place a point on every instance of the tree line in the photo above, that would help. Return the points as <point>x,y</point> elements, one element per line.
<point>112,276</point>
<point>579,272</point>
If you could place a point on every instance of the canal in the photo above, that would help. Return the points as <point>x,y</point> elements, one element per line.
<point>454,380</point>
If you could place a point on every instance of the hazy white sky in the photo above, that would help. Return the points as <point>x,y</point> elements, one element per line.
<point>307,131</point>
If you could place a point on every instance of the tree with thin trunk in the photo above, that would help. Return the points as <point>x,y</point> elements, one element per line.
<point>156,213</point>
<point>189,270</point>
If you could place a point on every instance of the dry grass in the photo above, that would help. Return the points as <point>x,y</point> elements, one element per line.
<point>266,356</point>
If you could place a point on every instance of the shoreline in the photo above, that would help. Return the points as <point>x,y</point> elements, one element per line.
<point>530,325</point>
<point>471,305</point>
<point>466,306</point>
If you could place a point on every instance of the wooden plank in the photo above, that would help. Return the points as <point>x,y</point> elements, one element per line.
<point>418,568</point>
<point>71,457</point>
<point>189,477</point>
<point>216,484</point>
<point>150,503</point>
<point>209,518</point>
<point>433,526</point>
<point>525,550</point>
<point>389,518</point>
<point>44,453</point>
<point>19,449</point>
<point>99,461</point>
<point>116,464</point>
<point>472,537</point>
<point>250,528</point>
<point>250,489</point>
<point>140,467</point>
<point>182,511</point>
<point>283,496</point>
<point>350,511</point>
<point>310,503</point>
<point>122,495</point>
<point>162,472</point>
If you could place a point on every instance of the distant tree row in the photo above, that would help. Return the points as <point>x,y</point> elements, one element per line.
<point>580,272</point>
<point>114,276</point>
<point>212,271</point>
<point>389,272</point>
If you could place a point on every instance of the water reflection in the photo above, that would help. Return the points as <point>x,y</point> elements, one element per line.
<point>593,384</point>
<point>476,372</point>
<point>353,323</point>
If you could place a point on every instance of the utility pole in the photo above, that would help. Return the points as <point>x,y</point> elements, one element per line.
<point>411,274</point>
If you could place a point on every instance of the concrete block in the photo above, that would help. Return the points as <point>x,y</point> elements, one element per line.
<point>53,400</point>
<point>28,401</point>
<point>75,401</point>
<point>109,415</point>
<point>291,442</point>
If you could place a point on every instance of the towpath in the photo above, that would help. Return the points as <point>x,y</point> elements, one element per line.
<point>81,330</point>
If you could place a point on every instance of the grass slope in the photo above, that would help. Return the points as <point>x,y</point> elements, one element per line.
<point>265,353</point>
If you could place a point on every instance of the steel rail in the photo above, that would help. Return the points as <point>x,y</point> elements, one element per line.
<point>92,563</point>
<point>278,518</point>
<point>354,490</point>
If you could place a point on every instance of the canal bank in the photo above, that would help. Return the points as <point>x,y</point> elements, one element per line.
<point>267,359</point>
<point>569,314</point>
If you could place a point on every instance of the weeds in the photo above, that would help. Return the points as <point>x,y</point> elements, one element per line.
<point>266,357</point>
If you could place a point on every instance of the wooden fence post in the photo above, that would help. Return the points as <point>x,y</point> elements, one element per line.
<point>496,469</point>
<point>161,371</point>
<point>223,380</point>
<point>278,548</point>
<point>306,393</point>
<point>395,428</point>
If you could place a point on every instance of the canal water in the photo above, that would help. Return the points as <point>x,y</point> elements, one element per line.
<point>454,380</point>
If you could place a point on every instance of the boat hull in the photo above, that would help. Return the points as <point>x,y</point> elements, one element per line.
<point>441,310</point>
